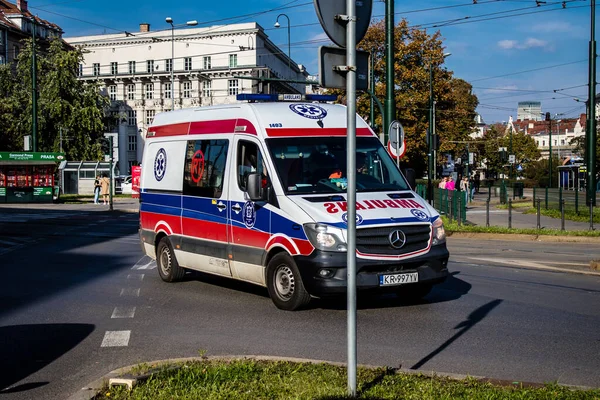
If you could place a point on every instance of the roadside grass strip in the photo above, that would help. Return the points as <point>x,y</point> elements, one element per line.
<point>453,226</point>
<point>257,379</point>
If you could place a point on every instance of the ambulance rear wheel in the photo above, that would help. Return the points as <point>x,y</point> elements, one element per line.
<point>168,268</point>
<point>285,284</point>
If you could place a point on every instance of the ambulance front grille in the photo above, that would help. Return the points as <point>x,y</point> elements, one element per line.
<point>377,240</point>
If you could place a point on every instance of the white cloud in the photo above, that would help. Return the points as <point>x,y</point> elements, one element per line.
<point>553,27</point>
<point>529,43</point>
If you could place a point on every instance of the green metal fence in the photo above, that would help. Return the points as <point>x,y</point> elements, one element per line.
<point>451,203</point>
<point>574,200</point>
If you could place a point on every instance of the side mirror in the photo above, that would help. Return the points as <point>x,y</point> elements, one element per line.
<point>254,187</point>
<point>411,177</point>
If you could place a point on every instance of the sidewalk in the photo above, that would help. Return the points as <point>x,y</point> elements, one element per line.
<point>476,214</point>
<point>119,204</point>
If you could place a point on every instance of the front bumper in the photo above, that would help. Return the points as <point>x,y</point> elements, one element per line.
<point>432,269</point>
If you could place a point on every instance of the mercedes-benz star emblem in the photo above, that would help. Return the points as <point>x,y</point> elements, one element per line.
<point>397,239</point>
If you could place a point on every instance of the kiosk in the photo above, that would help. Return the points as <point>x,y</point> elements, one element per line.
<point>27,177</point>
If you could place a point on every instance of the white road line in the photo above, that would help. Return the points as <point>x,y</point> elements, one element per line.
<point>130,292</point>
<point>136,277</point>
<point>123,312</point>
<point>116,339</point>
<point>149,265</point>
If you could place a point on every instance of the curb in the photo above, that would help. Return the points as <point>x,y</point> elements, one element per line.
<point>123,376</point>
<point>523,237</point>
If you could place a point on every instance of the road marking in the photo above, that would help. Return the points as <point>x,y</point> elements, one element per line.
<point>137,277</point>
<point>116,339</point>
<point>145,263</point>
<point>123,312</point>
<point>8,242</point>
<point>130,292</point>
<point>534,265</point>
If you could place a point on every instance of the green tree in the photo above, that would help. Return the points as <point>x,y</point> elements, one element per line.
<point>64,103</point>
<point>415,51</point>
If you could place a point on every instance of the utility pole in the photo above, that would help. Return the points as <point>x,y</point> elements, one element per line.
<point>549,119</point>
<point>372,86</point>
<point>430,138</point>
<point>112,181</point>
<point>510,151</point>
<point>390,100</point>
<point>33,89</point>
<point>591,133</point>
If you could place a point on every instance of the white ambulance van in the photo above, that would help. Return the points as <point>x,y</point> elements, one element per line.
<point>256,191</point>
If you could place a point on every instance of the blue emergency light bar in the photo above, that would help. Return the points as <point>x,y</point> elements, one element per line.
<point>253,97</point>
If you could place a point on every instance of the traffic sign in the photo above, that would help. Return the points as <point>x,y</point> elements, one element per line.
<point>511,158</point>
<point>331,13</point>
<point>396,145</point>
<point>333,68</point>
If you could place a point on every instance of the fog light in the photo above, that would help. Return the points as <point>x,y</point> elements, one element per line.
<point>325,273</point>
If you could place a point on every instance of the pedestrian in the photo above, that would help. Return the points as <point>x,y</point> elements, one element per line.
<point>463,185</point>
<point>450,184</point>
<point>105,183</point>
<point>442,184</point>
<point>97,188</point>
<point>476,183</point>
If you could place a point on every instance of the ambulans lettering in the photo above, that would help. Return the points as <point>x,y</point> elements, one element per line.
<point>342,206</point>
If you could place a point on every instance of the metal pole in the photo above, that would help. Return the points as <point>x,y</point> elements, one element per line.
<point>509,213</point>
<point>398,148</point>
<point>591,216</point>
<point>550,151</point>
<point>172,67</point>
<point>430,160</point>
<point>460,195</point>
<point>372,87</point>
<point>112,183</point>
<point>562,215</point>
<point>539,206</point>
<point>487,213</point>
<point>351,191</point>
<point>33,89</point>
<point>591,138</point>
<point>510,153</point>
<point>390,100</point>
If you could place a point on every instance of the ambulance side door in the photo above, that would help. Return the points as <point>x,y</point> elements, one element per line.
<point>204,214</point>
<point>250,222</point>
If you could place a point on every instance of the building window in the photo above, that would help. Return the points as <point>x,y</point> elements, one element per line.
<point>132,67</point>
<point>132,143</point>
<point>150,66</point>
<point>96,67</point>
<point>131,117</point>
<point>543,143</point>
<point>233,85</point>
<point>112,92</point>
<point>80,71</point>
<point>206,88</point>
<point>149,116</point>
<point>537,143</point>
<point>233,60</point>
<point>555,142</point>
<point>168,91</point>
<point>149,91</point>
<point>131,91</point>
<point>16,52</point>
<point>187,89</point>
<point>562,142</point>
<point>114,68</point>
<point>188,63</point>
<point>169,65</point>
<point>206,62</point>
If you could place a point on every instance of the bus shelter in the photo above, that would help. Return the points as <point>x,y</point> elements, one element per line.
<point>77,177</point>
<point>572,177</point>
<point>27,177</point>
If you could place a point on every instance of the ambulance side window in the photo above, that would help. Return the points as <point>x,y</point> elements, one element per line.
<point>249,160</point>
<point>205,168</point>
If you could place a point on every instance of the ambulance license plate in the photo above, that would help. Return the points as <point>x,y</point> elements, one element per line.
<point>398,279</point>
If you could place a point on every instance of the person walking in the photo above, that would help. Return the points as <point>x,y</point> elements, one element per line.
<point>450,184</point>
<point>442,184</point>
<point>97,187</point>
<point>105,183</point>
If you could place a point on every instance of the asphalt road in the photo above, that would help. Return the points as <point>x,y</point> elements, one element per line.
<point>78,300</point>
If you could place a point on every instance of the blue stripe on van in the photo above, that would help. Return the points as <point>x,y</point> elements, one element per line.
<point>202,216</point>
<point>163,199</point>
<point>159,209</point>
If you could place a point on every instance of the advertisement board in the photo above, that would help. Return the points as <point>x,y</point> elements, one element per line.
<point>135,181</point>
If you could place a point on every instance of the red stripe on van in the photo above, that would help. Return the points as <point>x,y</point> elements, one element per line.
<point>204,229</point>
<point>169,130</point>
<point>245,126</point>
<point>212,127</point>
<point>296,132</point>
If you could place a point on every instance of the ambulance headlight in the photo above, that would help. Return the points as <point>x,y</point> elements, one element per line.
<point>439,233</point>
<point>325,237</point>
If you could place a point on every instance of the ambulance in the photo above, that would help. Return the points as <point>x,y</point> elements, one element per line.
<point>256,191</point>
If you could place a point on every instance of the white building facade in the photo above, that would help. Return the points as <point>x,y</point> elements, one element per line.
<point>210,66</point>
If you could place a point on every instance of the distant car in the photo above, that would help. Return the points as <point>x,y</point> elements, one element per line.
<point>126,185</point>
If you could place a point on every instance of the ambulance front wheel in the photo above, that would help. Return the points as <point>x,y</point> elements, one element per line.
<point>285,284</point>
<point>168,268</point>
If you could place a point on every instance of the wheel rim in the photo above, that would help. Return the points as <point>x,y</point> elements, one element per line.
<point>284,282</point>
<point>165,261</point>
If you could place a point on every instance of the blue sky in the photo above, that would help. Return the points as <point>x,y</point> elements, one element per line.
<point>509,50</point>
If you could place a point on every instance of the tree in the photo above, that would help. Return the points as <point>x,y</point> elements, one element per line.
<point>415,51</point>
<point>64,103</point>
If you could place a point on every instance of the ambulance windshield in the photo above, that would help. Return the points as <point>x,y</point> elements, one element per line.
<point>318,165</point>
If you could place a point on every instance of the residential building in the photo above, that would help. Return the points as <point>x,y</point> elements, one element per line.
<point>18,23</point>
<point>529,110</point>
<point>211,65</point>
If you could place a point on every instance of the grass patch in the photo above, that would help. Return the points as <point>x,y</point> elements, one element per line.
<point>454,227</point>
<point>595,265</point>
<point>570,215</point>
<point>523,204</point>
<point>250,379</point>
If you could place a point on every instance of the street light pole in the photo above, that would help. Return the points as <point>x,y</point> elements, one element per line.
<point>169,20</point>
<point>277,25</point>
<point>33,88</point>
<point>591,133</point>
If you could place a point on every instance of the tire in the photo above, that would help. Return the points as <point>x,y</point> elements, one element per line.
<point>285,284</point>
<point>166,262</point>
<point>414,292</point>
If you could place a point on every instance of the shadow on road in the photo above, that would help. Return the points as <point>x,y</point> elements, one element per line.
<point>29,348</point>
<point>473,318</point>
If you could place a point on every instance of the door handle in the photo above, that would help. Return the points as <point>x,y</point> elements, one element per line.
<point>221,206</point>
<point>236,207</point>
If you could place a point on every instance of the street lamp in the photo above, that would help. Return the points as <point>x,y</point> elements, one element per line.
<point>169,20</point>
<point>277,25</point>
<point>431,134</point>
